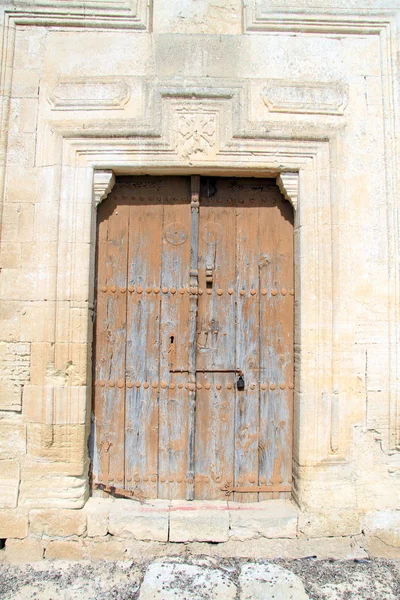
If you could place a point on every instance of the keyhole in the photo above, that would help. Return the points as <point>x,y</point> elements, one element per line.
<point>171,339</point>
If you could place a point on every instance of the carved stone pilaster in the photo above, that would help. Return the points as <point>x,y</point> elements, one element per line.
<point>103,183</point>
<point>288,184</point>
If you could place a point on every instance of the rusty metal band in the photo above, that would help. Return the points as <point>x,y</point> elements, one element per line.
<point>193,308</point>
<point>110,489</point>
<point>251,489</point>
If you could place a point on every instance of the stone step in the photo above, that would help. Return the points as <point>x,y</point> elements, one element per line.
<point>197,521</point>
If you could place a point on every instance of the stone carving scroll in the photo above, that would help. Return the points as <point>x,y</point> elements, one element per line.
<point>103,183</point>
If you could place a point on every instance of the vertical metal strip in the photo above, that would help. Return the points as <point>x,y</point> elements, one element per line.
<point>193,308</point>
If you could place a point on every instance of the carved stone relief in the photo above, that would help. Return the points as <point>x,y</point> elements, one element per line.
<point>89,94</point>
<point>302,97</point>
<point>196,131</point>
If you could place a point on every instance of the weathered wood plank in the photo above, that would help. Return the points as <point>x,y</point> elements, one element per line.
<point>174,340</point>
<point>247,338</point>
<point>144,264</point>
<point>276,336</point>
<point>110,336</point>
<point>215,340</point>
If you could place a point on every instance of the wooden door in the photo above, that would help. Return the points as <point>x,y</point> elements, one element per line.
<point>194,292</point>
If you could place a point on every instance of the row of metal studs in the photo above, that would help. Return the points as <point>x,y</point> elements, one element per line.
<point>188,386</point>
<point>164,290</point>
<point>170,479</point>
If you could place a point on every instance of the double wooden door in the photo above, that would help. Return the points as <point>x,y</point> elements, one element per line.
<point>193,375</point>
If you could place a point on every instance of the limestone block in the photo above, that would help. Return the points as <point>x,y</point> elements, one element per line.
<point>17,223</point>
<point>64,550</point>
<point>12,439</point>
<point>376,548</point>
<point>98,510</point>
<point>71,362</point>
<point>23,113</point>
<point>105,549</point>
<point>57,522</point>
<point>14,374</point>
<point>216,17</point>
<point>39,256</point>
<point>24,551</point>
<point>10,255</point>
<point>42,360</point>
<point>268,581</point>
<point>37,402</point>
<point>22,186</point>
<point>10,320</point>
<point>170,580</point>
<point>25,83</point>
<point>331,522</point>
<point>55,405</point>
<point>13,523</point>
<point>10,396</point>
<point>56,491</point>
<point>27,285</point>
<point>130,54</point>
<point>384,525</point>
<point>57,443</point>
<point>129,519</point>
<point>270,519</point>
<point>9,483</point>
<point>32,469</point>
<point>74,320</point>
<point>46,223</point>
<point>30,47</point>
<point>199,521</point>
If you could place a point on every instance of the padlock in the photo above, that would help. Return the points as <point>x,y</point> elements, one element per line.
<point>240,383</point>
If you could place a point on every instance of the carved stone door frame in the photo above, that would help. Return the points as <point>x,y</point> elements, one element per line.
<point>302,170</point>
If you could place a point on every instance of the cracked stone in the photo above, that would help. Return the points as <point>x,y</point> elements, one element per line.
<point>177,581</point>
<point>270,582</point>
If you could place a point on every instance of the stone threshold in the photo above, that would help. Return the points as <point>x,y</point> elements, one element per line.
<point>196,521</point>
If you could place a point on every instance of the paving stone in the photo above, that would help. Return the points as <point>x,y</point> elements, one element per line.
<point>199,521</point>
<point>98,510</point>
<point>128,519</point>
<point>169,580</point>
<point>269,519</point>
<point>270,582</point>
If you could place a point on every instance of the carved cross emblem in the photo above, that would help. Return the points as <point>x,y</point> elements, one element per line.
<point>196,132</point>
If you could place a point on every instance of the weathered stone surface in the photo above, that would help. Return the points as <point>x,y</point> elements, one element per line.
<point>169,580</point>
<point>97,511</point>
<point>321,548</point>
<point>59,523</point>
<point>53,485</point>
<point>270,582</point>
<point>385,525</point>
<point>27,550</point>
<point>199,521</point>
<point>12,439</point>
<point>9,482</point>
<point>64,550</point>
<point>332,522</point>
<point>105,548</point>
<point>129,519</point>
<point>270,519</point>
<point>13,523</point>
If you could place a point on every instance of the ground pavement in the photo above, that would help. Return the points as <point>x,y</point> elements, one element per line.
<point>203,577</point>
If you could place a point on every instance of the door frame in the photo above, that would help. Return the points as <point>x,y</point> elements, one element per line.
<point>82,182</point>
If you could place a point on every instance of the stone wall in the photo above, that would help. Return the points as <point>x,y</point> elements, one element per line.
<point>307,95</point>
